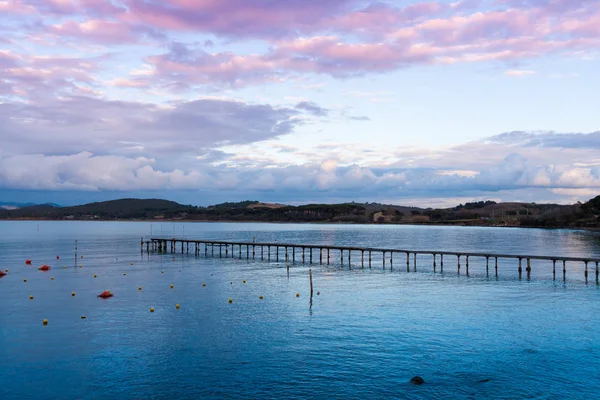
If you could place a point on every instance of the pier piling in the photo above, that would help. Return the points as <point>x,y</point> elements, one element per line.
<point>520,268</point>
<point>163,246</point>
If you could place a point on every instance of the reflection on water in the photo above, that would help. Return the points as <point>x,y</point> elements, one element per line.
<point>366,334</point>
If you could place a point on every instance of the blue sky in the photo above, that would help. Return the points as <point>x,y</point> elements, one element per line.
<point>407,102</point>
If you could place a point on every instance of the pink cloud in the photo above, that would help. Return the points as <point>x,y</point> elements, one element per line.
<point>519,72</point>
<point>72,7</point>
<point>340,38</point>
<point>16,7</point>
<point>110,32</point>
<point>258,18</point>
<point>32,77</point>
<point>130,83</point>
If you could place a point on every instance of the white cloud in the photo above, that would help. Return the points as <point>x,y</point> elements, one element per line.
<point>473,170</point>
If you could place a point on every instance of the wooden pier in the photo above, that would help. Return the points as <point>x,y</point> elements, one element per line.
<point>253,250</point>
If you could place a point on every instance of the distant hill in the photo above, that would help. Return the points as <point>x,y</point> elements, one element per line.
<point>14,206</point>
<point>115,209</point>
<point>484,213</point>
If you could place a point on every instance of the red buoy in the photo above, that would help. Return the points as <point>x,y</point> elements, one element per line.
<point>45,268</point>
<point>28,262</point>
<point>57,257</point>
<point>106,294</point>
<point>2,273</point>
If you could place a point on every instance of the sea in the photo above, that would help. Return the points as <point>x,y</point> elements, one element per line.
<point>364,333</point>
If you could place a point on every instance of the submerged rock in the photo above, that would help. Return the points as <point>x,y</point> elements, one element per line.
<point>417,380</point>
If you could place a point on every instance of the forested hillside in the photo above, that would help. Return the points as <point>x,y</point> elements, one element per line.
<point>485,213</point>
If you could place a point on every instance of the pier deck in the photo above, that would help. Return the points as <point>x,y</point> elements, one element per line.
<point>249,249</point>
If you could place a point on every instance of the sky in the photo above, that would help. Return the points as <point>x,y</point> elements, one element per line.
<point>417,102</point>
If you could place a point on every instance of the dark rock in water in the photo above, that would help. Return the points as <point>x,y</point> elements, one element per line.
<point>417,380</point>
<point>484,380</point>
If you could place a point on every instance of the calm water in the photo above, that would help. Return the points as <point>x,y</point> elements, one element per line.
<point>366,334</point>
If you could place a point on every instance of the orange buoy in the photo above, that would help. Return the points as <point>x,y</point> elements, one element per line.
<point>106,294</point>
<point>27,262</point>
<point>45,268</point>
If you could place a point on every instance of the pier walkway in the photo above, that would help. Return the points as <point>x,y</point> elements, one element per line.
<point>288,250</point>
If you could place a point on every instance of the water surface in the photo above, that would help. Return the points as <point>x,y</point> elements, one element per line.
<point>366,334</point>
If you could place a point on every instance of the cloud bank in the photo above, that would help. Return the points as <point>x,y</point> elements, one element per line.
<point>432,177</point>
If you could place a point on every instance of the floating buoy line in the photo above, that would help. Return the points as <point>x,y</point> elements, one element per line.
<point>107,293</point>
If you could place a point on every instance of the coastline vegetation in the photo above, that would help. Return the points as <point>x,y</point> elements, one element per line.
<point>481,213</point>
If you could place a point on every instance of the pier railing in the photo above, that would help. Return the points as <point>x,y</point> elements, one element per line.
<point>249,250</point>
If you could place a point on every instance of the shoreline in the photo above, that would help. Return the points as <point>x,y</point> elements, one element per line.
<point>458,224</point>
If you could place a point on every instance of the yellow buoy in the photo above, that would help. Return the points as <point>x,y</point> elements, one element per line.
<point>162,272</point>
<point>124,274</point>
<point>230,300</point>
<point>172,286</point>
<point>83,317</point>
<point>45,322</point>
<point>64,266</point>
<point>80,266</point>
<point>130,263</point>
<point>243,281</point>
<point>30,297</point>
<point>6,269</point>
<point>51,278</point>
<point>204,284</point>
<point>151,309</point>
<point>261,297</point>
<point>139,288</point>
<point>73,294</point>
<point>25,280</point>
<point>95,276</point>
<point>177,306</point>
<point>297,294</point>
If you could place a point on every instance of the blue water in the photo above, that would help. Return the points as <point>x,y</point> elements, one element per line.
<point>368,332</point>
